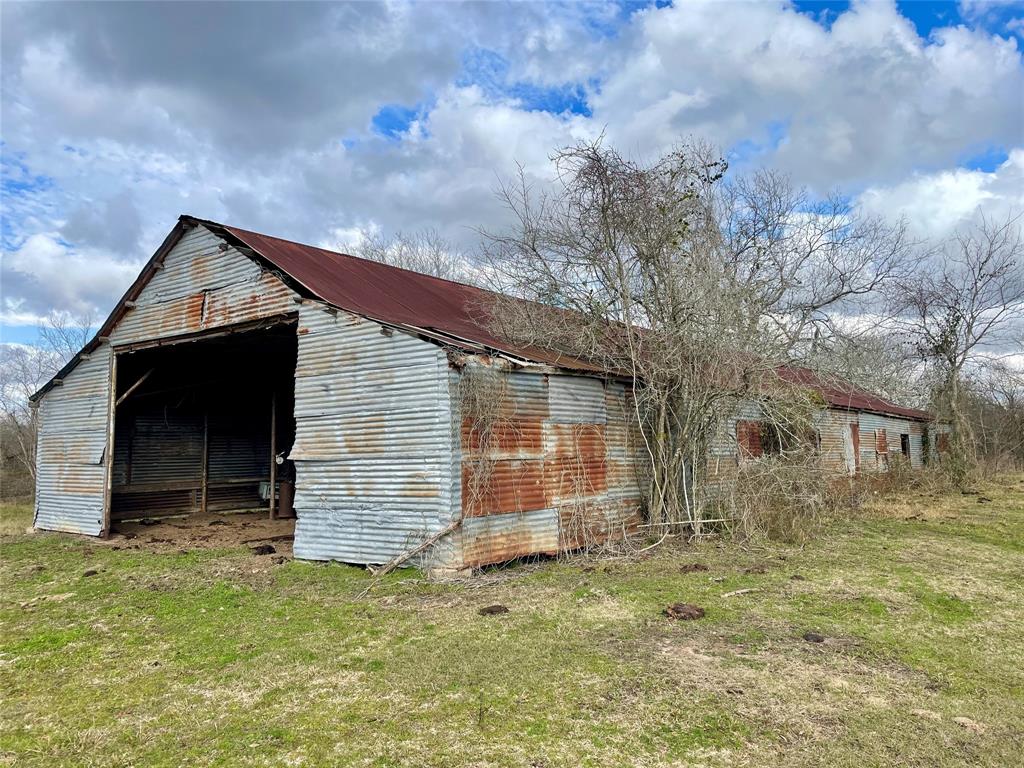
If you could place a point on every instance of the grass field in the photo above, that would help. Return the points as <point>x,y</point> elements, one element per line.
<point>224,658</point>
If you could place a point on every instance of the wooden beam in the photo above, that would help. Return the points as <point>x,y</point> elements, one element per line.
<point>139,382</point>
<point>205,483</point>
<point>273,450</point>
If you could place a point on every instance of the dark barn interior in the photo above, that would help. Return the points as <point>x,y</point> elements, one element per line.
<point>197,424</point>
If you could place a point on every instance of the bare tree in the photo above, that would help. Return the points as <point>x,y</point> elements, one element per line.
<point>24,369</point>
<point>696,286</point>
<point>425,251</point>
<point>965,308</point>
<point>879,362</point>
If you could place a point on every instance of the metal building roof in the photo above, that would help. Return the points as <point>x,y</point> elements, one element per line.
<point>445,311</point>
<point>843,394</point>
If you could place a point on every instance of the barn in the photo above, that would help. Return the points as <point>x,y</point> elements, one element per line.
<point>368,405</point>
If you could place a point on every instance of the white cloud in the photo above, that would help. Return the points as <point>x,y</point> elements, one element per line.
<point>935,204</point>
<point>867,100</point>
<point>44,273</point>
<point>208,119</point>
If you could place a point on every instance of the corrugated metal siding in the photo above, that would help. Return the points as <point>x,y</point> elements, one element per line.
<point>835,446</point>
<point>71,477</point>
<point>874,460</point>
<point>562,470</point>
<point>201,287</point>
<point>373,440</point>
<point>576,400</point>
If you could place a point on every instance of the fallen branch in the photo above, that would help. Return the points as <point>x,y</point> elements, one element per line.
<point>741,592</point>
<point>389,566</point>
<point>279,537</point>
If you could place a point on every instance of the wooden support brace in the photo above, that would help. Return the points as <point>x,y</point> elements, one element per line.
<point>141,380</point>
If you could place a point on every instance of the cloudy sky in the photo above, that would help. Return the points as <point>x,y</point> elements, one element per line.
<point>315,120</point>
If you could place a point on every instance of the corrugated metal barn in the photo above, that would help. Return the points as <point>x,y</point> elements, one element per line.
<point>241,372</point>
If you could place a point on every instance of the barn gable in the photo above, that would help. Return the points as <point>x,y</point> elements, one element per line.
<point>203,283</point>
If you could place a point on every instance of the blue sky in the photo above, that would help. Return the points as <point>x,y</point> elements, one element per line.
<point>372,118</point>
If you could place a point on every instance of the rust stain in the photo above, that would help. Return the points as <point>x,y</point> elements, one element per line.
<point>568,479</point>
<point>200,268</point>
<point>240,303</point>
<point>581,440</point>
<point>511,485</point>
<point>369,436</point>
<point>77,479</point>
<point>515,438</point>
<point>486,547</point>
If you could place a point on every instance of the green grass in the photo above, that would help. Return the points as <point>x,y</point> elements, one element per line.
<point>214,658</point>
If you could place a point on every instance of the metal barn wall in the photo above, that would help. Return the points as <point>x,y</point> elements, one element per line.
<point>373,450</point>
<point>835,447</point>
<point>204,284</point>
<point>836,440</point>
<point>71,476</point>
<point>724,450</point>
<point>560,472</point>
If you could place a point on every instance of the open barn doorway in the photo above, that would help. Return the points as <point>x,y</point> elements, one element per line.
<point>201,429</point>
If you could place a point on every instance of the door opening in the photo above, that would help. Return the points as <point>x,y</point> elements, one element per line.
<point>198,425</point>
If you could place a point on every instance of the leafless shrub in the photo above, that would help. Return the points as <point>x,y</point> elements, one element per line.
<point>425,251</point>
<point>788,497</point>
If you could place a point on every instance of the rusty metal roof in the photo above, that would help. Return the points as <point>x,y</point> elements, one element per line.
<point>443,310</point>
<point>455,311</point>
<point>843,394</point>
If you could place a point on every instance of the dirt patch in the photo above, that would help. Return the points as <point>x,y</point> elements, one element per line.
<point>493,610</point>
<point>684,612</point>
<point>693,568</point>
<point>211,531</point>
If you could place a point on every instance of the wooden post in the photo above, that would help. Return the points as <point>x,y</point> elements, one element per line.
<point>108,458</point>
<point>206,460</point>
<point>273,450</point>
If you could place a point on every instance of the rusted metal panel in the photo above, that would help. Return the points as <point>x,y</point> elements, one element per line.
<point>748,439</point>
<point>71,471</point>
<point>373,440</point>
<point>507,485</point>
<point>203,284</point>
<point>502,537</point>
<point>575,463</point>
<point>559,469</point>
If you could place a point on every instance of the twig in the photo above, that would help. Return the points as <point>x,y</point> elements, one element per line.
<point>741,592</point>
